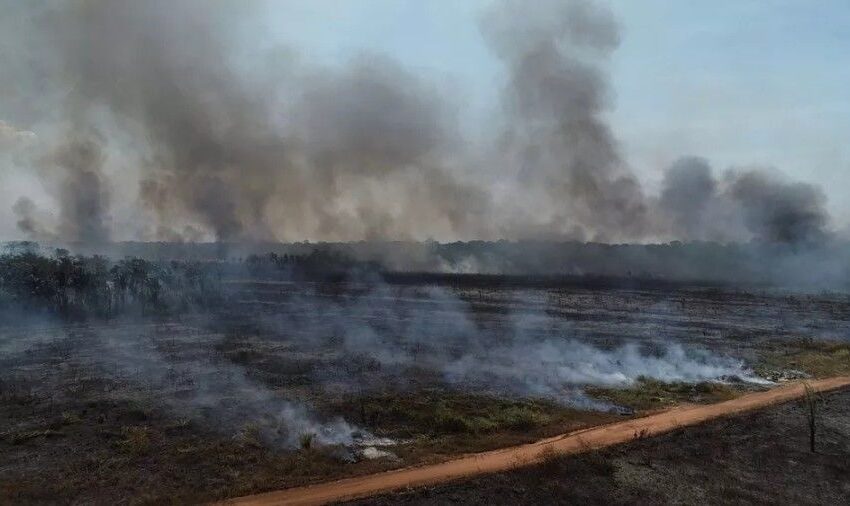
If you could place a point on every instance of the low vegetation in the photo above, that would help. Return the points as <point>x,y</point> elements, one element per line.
<point>815,358</point>
<point>439,413</point>
<point>648,394</point>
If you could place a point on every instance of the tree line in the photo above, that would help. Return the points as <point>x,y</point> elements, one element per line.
<point>78,286</point>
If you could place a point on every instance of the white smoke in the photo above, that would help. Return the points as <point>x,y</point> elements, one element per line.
<point>530,355</point>
<point>202,385</point>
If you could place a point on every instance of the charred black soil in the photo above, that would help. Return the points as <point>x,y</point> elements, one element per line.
<point>187,408</point>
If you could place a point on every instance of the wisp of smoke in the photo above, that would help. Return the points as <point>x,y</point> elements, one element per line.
<point>217,390</point>
<point>535,355</point>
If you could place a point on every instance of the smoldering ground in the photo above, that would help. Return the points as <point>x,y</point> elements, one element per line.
<point>205,134</point>
<point>174,111</point>
<point>260,368</point>
<point>174,367</point>
<point>528,354</point>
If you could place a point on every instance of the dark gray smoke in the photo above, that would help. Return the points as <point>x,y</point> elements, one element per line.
<point>73,174</point>
<point>555,98</point>
<point>32,221</point>
<point>25,209</point>
<point>777,211</point>
<point>250,154</point>
<point>83,193</point>
<point>689,188</point>
<point>742,205</point>
<point>224,139</point>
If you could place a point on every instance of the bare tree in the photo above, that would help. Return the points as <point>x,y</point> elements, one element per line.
<point>812,400</point>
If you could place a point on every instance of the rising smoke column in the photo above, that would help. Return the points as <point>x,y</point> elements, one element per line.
<point>73,174</point>
<point>254,147</point>
<point>555,97</point>
<point>230,141</point>
<point>83,194</point>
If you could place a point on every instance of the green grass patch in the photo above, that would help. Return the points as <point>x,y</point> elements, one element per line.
<point>648,393</point>
<point>439,413</point>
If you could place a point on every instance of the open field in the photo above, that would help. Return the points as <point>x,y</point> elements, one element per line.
<point>296,383</point>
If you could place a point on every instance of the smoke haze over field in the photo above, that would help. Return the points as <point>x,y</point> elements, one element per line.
<point>180,164</point>
<point>164,120</point>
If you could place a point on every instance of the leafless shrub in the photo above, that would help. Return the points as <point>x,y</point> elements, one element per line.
<point>812,401</point>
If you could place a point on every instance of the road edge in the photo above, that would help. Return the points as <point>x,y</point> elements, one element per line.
<point>504,459</point>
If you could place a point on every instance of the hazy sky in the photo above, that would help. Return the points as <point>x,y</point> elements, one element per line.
<point>740,82</point>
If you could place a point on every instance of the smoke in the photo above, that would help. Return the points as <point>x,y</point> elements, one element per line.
<point>310,340</point>
<point>201,386</point>
<point>744,204</point>
<point>546,364</point>
<point>549,368</point>
<point>83,193</point>
<point>777,211</point>
<point>555,100</point>
<point>12,138</point>
<point>433,332</point>
<point>243,154</point>
<point>72,172</point>
<point>688,196</point>
<point>30,220</point>
<point>224,138</point>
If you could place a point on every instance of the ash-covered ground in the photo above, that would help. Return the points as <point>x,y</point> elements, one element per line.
<point>292,382</point>
<point>485,274</point>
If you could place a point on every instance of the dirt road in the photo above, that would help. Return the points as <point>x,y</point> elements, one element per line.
<point>507,458</point>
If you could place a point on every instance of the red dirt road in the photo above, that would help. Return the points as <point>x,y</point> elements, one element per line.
<point>508,458</point>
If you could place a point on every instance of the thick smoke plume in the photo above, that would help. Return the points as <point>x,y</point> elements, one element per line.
<point>83,194</point>
<point>556,136</point>
<point>348,153</point>
<point>222,139</point>
<point>28,220</point>
<point>74,175</point>
<point>742,205</point>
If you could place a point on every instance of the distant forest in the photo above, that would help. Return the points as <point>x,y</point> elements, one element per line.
<point>825,265</point>
<point>158,278</point>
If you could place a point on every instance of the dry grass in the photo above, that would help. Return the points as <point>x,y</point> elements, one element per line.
<point>435,413</point>
<point>648,394</point>
<point>137,440</point>
<point>817,358</point>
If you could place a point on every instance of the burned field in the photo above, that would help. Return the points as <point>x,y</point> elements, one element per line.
<point>756,458</point>
<point>249,247</point>
<point>291,382</point>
